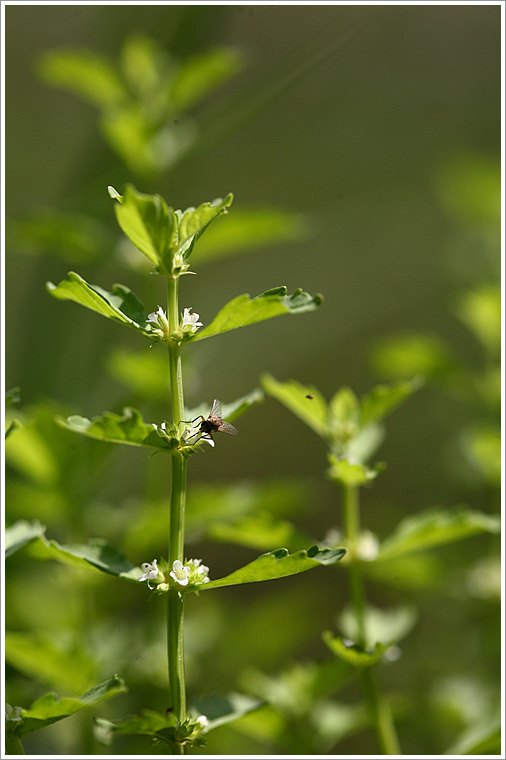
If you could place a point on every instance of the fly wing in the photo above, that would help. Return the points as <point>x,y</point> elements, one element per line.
<point>226,427</point>
<point>216,409</point>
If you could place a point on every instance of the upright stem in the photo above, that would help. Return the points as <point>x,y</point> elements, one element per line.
<point>379,707</point>
<point>175,608</point>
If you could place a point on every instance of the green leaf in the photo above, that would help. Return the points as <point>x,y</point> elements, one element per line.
<point>121,305</point>
<point>231,410</point>
<point>277,564</point>
<point>20,534</point>
<point>383,399</point>
<point>353,654</point>
<point>148,723</point>
<point>84,72</point>
<point>97,555</point>
<point>434,527</point>
<point>225,709</point>
<point>201,73</point>
<point>128,428</point>
<point>45,658</point>
<point>251,229</point>
<point>305,401</point>
<point>48,709</point>
<point>351,474</point>
<point>483,738</point>
<point>259,531</point>
<point>244,310</point>
<point>193,222</point>
<point>150,224</point>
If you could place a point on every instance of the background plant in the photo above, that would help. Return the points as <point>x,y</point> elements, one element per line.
<point>366,163</point>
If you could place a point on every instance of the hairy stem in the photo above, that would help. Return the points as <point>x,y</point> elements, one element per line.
<point>379,707</point>
<point>175,605</point>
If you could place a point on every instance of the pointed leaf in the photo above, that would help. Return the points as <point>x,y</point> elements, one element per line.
<point>243,310</point>
<point>435,527</point>
<point>352,653</point>
<point>277,564</point>
<point>350,474</point>
<point>305,401</point>
<point>193,222</point>
<point>128,428</point>
<point>383,399</point>
<point>48,709</point>
<point>150,224</point>
<point>231,410</point>
<point>121,305</point>
<point>201,73</point>
<point>97,555</point>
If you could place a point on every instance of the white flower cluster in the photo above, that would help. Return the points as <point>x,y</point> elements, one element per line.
<point>159,328</point>
<point>192,573</point>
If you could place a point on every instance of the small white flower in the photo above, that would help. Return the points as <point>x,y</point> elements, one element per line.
<point>13,714</point>
<point>150,571</point>
<point>159,318</point>
<point>180,572</point>
<point>189,323</point>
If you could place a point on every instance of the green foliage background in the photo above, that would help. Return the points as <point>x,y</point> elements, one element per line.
<point>371,136</point>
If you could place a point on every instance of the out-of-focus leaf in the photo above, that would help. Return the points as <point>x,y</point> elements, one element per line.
<point>277,564</point>
<point>121,305</point>
<point>305,401</point>
<point>20,534</point>
<point>385,626</point>
<point>259,531</point>
<point>12,396</point>
<point>42,657</point>
<point>435,527</point>
<point>470,186</point>
<point>353,654</point>
<point>414,354</point>
<point>483,739</point>
<point>251,228</point>
<point>230,410</point>
<point>85,73</point>
<point>72,237</point>
<point>350,474</point>
<point>483,447</point>
<point>383,399</point>
<point>128,428</point>
<point>48,709</point>
<point>199,74</point>
<point>225,709</point>
<point>244,310</point>
<point>144,372</point>
<point>480,310</point>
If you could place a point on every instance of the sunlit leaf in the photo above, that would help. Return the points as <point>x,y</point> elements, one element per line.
<point>434,527</point>
<point>225,709</point>
<point>48,709</point>
<point>480,310</point>
<point>193,222</point>
<point>259,531</point>
<point>21,533</point>
<point>96,555</point>
<point>277,564</point>
<point>414,354</point>
<point>121,305</point>
<point>128,428</point>
<point>352,653</point>
<point>350,474</point>
<point>244,310</point>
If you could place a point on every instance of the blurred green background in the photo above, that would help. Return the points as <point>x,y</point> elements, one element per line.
<point>378,129</point>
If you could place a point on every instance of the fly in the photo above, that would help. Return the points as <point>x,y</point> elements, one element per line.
<point>214,423</point>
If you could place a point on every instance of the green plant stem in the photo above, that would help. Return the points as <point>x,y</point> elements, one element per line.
<point>379,707</point>
<point>175,605</point>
